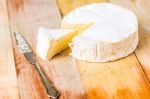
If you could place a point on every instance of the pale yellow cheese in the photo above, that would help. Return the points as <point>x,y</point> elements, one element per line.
<point>79,27</point>
<point>52,41</point>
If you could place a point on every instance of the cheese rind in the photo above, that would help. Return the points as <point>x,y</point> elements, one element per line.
<point>86,50</point>
<point>52,41</point>
<point>113,34</point>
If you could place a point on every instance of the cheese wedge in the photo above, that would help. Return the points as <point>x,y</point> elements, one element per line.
<point>113,34</point>
<point>52,41</point>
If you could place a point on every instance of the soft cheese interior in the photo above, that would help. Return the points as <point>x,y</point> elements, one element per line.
<point>113,34</point>
<point>52,41</point>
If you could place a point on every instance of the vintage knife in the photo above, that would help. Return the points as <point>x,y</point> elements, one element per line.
<point>26,50</point>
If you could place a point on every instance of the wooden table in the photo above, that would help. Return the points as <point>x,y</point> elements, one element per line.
<point>127,78</point>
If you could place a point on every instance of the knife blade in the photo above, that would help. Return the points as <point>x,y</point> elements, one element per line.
<point>26,50</point>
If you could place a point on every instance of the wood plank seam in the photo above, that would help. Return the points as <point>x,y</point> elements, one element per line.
<point>142,69</point>
<point>61,13</point>
<point>9,85</point>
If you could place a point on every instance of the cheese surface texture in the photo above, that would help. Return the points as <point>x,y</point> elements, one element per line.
<point>52,41</point>
<point>112,35</point>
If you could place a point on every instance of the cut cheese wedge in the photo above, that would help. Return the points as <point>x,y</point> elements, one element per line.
<point>52,41</point>
<point>113,34</point>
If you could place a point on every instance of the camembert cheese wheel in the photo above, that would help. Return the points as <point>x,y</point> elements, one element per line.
<point>112,35</point>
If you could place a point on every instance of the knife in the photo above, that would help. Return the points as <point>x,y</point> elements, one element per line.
<point>28,53</point>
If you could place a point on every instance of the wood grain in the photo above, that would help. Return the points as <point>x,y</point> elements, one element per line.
<point>26,18</point>
<point>30,85</point>
<point>122,79</point>
<point>143,49</point>
<point>8,78</point>
<point>29,16</point>
<point>65,73</point>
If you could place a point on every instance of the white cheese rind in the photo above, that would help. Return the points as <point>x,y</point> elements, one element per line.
<point>87,50</point>
<point>45,39</point>
<point>113,35</point>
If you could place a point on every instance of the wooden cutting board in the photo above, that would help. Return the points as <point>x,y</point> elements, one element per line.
<point>8,79</point>
<point>127,78</point>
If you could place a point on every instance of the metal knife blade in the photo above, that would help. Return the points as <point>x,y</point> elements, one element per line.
<point>26,50</point>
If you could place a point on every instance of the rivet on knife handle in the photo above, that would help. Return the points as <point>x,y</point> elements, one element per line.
<point>26,50</point>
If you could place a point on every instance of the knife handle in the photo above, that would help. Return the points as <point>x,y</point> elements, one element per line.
<point>52,92</point>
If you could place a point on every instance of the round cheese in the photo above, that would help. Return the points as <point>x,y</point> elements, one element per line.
<point>112,35</point>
